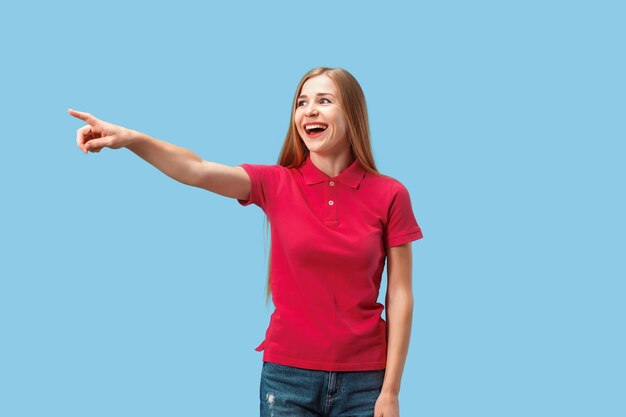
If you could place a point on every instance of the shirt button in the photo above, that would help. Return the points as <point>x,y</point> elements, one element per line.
<point>332,183</point>
<point>330,203</point>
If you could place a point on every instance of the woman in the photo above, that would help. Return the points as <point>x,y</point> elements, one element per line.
<point>334,221</point>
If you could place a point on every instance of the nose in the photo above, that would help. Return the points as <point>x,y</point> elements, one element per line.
<point>311,110</point>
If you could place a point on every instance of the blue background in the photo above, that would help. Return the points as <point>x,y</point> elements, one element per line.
<point>125,293</point>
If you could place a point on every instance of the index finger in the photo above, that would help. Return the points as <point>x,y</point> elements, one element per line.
<point>91,120</point>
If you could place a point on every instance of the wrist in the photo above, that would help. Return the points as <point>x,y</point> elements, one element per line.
<point>133,138</point>
<point>389,391</point>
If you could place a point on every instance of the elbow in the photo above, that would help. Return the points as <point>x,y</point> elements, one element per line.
<point>404,296</point>
<point>192,175</point>
<point>401,301</point>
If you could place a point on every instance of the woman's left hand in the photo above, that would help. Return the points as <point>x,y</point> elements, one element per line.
<point>387,405</point>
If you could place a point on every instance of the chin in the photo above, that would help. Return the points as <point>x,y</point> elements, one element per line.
<point>314,147</point>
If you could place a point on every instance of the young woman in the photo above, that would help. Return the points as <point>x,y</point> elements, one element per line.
<point>334,221</point>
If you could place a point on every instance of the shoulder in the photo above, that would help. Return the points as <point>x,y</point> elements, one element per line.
<point>264,171</point>
<point>388,186</point>
<point>265,167</point>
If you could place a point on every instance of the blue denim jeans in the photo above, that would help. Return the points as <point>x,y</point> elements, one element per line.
<point>294,392</point>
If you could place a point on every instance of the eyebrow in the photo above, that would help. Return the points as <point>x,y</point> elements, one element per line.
<point>318,94</point>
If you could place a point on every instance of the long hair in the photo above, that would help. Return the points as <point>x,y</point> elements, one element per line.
<point>352,102</point>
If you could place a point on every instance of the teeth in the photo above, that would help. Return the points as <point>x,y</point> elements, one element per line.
<point>313,126</point>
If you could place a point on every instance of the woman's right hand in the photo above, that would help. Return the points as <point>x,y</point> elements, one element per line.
<point>98,134</point>
<point>174,161</point>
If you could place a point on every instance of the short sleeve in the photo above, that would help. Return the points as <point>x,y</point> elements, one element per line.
<point>401,226</point>
<point>263,182</point>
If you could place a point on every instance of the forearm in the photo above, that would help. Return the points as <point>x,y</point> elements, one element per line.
<point>174,161</point>
<point>399,319</point>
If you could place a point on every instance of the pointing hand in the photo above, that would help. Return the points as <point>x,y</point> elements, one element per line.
<point>98,134</point>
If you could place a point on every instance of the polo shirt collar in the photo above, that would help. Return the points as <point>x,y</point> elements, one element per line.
<point>351,176</point>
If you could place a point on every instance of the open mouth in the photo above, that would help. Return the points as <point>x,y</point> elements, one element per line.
<point>315,129</point>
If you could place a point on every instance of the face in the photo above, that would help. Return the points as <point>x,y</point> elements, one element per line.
<point>319,119</point>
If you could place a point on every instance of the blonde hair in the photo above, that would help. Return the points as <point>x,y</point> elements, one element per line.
<point>352,102</point>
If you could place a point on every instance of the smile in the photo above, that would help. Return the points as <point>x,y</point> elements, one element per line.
<point>314,130</point>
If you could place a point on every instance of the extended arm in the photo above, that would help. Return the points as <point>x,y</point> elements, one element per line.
<point>185,166</point>
<point>174,161</point>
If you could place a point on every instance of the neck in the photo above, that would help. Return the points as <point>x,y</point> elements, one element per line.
<point>332,165</point>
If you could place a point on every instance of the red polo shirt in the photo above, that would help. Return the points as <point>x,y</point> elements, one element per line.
<point>329,242</point>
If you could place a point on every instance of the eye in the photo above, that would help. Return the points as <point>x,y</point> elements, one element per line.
<point>327,100</point>
<point>300,103</point>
